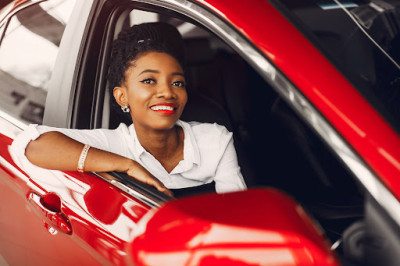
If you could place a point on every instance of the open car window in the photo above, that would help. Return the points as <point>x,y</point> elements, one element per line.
<point>204,89</point>
<point>207,58</point>
<point>205,104</point>
<point>225,88</point>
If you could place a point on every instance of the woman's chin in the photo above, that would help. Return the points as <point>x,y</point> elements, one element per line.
<point>163,125</point>
<point>156,122</point>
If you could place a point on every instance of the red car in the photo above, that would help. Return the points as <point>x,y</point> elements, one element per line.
<point>310,89</point>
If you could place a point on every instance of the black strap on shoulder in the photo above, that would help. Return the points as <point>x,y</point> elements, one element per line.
<point>184,192</point>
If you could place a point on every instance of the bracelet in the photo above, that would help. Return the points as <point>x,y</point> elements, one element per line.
<point>82,158</point>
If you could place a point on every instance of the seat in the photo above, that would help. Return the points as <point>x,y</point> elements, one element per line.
<point>217,88</point>
<point>205,94</point>
<point>308,170</point>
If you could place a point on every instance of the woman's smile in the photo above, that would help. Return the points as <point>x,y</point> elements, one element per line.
<point>155,91</point>
<point>164,108</point>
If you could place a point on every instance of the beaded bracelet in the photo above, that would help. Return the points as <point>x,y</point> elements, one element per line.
<point>82,158</point>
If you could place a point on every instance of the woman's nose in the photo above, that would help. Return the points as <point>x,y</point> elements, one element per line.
<point>165,90</point>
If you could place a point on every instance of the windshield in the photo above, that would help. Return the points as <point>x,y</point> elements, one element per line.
<point>362,38</point>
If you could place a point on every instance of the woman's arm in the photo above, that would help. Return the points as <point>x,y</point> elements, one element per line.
<point>54,150</point>
<point>228,176</point>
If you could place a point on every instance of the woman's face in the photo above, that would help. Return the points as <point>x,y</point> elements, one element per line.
<point>155,91</point>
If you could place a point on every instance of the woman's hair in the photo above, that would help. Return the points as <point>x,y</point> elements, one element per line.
<point>139,39</point>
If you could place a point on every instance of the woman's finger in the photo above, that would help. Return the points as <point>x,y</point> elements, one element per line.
<point>160,187</point>
<point>146,177</point>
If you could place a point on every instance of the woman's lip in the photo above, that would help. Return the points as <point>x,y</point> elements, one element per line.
<point>165,112</point>
<point>164,108</point>
<point>164,104</point>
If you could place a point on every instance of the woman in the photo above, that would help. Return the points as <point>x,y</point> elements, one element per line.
<point>148,83</point>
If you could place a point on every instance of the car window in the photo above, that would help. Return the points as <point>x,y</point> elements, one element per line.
<point>196,39</point>
<point>28,52</point>
<point>224,88</point>
<point>362,39</point>
<point>204,54</point>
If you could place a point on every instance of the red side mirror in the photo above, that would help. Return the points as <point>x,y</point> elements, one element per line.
<point>253,227</point>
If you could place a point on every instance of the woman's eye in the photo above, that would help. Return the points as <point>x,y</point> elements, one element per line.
<point>179,83</point>
<point>148,81</point>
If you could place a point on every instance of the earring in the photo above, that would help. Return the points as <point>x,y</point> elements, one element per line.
<point>125,108</point>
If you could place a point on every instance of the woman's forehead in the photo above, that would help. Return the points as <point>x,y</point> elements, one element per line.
<point>155,61</point>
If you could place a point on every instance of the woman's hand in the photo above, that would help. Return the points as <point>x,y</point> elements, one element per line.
<point>140,173</point>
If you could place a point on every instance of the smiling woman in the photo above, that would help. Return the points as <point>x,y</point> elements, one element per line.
<point>148,82</point>
<point>155,86</point>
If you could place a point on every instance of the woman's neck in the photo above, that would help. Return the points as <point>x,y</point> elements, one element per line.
<point>162,144</point>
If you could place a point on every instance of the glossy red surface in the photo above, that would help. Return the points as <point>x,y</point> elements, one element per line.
<point>101,217</point>
<point>24,239</point>
<point>54,218</point>
<point>365,130</point>
<point>270,229</point>
<point>252,227</point>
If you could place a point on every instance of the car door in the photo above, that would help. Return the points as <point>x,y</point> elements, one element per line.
<point>52,217</point>
<point>190,247</point>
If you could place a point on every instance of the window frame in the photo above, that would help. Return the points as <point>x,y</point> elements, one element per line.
<point>64,82</point>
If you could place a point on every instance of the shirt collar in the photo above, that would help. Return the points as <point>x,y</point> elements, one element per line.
<point>190,149</point>
<point>191,153</point>
<point>136,148</point>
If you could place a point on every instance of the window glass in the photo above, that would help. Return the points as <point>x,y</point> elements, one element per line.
<point>27,55</point>
<point>362,38</point>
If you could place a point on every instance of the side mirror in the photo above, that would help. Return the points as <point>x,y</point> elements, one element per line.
<point>253,227</point>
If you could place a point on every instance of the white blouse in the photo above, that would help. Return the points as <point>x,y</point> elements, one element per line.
<point>209,153</point>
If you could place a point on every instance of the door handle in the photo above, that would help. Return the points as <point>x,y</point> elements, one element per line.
<point>52,215</point>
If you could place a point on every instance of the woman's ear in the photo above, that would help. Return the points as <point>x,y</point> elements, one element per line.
<point>120,95</point>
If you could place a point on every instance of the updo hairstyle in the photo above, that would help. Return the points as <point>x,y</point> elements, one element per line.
<point>139,39</point>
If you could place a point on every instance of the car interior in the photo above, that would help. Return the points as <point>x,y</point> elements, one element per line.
<point>275,147</point>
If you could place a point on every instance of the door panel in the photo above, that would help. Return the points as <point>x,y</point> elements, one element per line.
<point>102,217</point>
<point>23,237</point>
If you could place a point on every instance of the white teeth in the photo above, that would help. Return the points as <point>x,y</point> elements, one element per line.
<point>162,107</point>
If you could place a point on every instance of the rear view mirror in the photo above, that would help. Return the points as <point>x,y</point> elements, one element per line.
<point>253,227</point>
